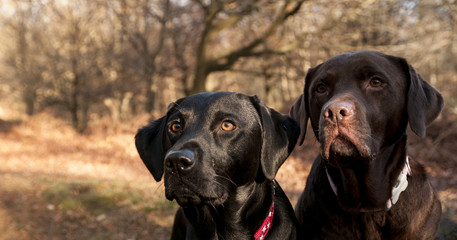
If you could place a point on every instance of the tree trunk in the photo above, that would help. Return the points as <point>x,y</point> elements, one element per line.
<point>74,103</point>
<point>204,65</point>
<point>29,100</point>
<point>74,116</point>
<point>199,84</point>
<point>84,122</point>
<point>151,97</point>
<point>151,91</point>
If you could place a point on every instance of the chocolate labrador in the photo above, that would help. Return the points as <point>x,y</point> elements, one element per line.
<point>219,154</point>
<point>363,185</point>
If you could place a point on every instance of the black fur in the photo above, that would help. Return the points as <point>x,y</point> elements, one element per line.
<point>223,180</point>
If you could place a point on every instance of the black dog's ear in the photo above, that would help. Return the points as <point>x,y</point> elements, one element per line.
<point>148,141</point>
<point>424,102</point>
<point>279,136</point>
<point>300,114</point>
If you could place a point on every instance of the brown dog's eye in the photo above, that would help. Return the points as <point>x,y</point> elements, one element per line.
<point>321,88</point>
<point>176,127</point>
<point>228,126</point>
<point>376,82</point>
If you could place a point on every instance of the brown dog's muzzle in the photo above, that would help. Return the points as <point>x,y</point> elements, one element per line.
<point>338,113</point>
<point>343,130</point>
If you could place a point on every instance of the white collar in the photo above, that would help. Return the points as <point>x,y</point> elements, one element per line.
<point>400,185</point>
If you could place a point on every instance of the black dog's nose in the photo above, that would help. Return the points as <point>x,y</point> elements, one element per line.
<point>179,161</point>
<point>337,112</point>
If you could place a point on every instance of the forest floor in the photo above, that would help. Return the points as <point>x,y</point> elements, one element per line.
<point>57,184</point>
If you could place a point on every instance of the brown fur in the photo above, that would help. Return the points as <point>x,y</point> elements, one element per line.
<point>359,105</point>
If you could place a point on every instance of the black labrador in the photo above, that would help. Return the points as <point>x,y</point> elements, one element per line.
<point>219,154</point>
<point>363,185</point>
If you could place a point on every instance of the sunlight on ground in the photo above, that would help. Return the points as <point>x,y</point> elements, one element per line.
<point>57,184</point>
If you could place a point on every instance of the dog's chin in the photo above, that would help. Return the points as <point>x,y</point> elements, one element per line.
<point>186,197</point>
<point>185,200</point>
<point>342,148</point>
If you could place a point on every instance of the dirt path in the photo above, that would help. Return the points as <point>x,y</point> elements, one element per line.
<point>56,184</point>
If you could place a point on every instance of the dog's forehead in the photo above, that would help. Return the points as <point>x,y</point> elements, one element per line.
<point>361,60</point>
<point>360,63</point>
<point>217,102</point>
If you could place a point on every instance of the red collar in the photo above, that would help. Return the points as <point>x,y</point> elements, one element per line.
<point>267,223</point>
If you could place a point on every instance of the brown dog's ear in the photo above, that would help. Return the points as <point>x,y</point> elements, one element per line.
<point>424,102</point>
<point>300,114</point>
<point>279,136</point>
<point>299,111</point>
<point>148,141</point>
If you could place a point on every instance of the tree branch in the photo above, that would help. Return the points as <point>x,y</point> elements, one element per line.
<point>226,62</point>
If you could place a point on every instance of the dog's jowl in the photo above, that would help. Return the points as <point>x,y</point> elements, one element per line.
<point>218,154</point>
<point>364,185</point>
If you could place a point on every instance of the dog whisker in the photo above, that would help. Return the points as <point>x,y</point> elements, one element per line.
<point>228,179</point>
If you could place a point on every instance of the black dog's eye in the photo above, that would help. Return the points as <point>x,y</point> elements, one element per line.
<point>376,82</point>
<point>321,88</point>
<point>228,126</point>
<point>176,127</point>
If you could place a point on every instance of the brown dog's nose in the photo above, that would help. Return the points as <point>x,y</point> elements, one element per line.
<point>338,112</point>
<point>179,161</point>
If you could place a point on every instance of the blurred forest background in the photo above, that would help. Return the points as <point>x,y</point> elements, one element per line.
<point>77,78</point>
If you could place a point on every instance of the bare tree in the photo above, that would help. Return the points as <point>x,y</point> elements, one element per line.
<point>75,67</point>
<point>143,23</point>
<point>123,57</point>
<point>26,31</point>
<point>215,19</point>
